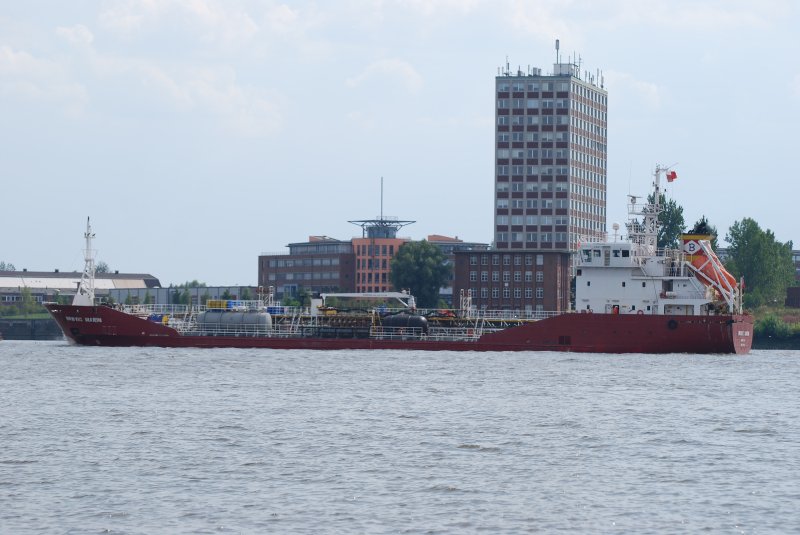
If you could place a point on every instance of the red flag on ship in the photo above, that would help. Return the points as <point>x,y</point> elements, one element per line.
<point>671,175</point>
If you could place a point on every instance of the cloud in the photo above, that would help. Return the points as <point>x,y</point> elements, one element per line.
<point>693,16</point>
<point>128,17</point>
<point>393,69</point>
<point>218,22</point>
<point>543,20</point>
<point>25,76</point>
<point>362,120</point>
<point>434,7</point>
<point>282,18</point>
<point>574,20</point>
<point>243,109</point>
<point>624,86</point>
<point>78,34</point>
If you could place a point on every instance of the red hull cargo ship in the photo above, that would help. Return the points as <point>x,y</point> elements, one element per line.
<point>630,297</point>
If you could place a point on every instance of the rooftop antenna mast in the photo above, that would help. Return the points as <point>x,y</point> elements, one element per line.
<point>558,45</point>
<point>381,198</point>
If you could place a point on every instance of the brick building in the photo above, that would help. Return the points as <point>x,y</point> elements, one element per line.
<point>321,264</point>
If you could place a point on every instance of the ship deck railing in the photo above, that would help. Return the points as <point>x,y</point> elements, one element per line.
<point>313,330</point>
<point>433,334</point>
<point>253,306</point>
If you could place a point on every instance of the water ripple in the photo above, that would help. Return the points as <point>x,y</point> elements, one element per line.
<point>153,440</point>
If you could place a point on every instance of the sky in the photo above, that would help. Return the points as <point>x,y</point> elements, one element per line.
<point>199,134</point>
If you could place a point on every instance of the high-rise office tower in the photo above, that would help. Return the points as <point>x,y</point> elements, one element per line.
<point>550,158</point>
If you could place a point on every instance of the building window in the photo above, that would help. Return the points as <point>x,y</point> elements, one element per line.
<point>473,276</point>
<point>484,293</point>
<point>517,276</point>
<point>517,293</point>
<point>529,276</point>
<point>540,276</point>
<point>484,276</point>
<point>495,293</point>
<point>539,293</point>
<point>539,260</point>
<point>506,276</point>
<point>528,293</point>
<point>473,260</point>
<point>495,260</point>
<point>495,276</point>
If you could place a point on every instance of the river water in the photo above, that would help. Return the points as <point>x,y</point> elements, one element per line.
<point>132,440</point>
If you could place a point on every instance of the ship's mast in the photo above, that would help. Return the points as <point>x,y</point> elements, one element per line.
<point>643,224</point>
<point>85,295</point>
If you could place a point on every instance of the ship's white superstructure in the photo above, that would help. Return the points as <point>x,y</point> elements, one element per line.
<point>635,277</point>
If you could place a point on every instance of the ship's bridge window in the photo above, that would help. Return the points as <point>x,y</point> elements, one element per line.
<point>616,253</point>
<point>625,253</point>
<point>587,255</point>
<point>596,253</point>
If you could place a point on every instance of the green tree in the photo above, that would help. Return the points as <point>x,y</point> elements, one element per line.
<point>771,326</point>
<point>9,310</point>
<point>670,221</point>
<point>246,295</point>
<point>303,296</point>
<point>423,269</point>
<point>7,267</point>
<point>28,304</point>
<point>101,267</point>
<point>191,284</point>
<point>765,263</point>
<point>226,295</point>
<point>703,227</point>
